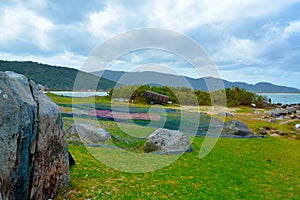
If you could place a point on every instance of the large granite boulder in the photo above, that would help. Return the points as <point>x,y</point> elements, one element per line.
<point>33,148</point>
<point>235,127</point>
<point>167,141</point>
<point>89,134</point>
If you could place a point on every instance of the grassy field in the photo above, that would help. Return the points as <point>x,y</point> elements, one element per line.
<point>235,169</point>
<point>262,168</point>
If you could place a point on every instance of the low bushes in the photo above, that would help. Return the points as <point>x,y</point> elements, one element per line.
<point>182,95</point>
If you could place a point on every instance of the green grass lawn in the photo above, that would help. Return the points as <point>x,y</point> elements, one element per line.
<point>236,169</point>
<point>267,168</point>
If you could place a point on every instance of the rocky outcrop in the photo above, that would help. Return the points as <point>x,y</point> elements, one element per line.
<point>33,148</point>
<point>235,127</point>
<point>88,133</point>
<point>167,141</point>
<point>286,111</point>
<point>278,112</point>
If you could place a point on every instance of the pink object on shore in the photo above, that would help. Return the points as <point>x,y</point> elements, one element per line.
<point>121,115</point>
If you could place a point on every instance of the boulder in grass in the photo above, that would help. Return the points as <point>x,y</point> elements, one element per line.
<point>167,141</point>
<point>88,133</point>
<point>235,127</point>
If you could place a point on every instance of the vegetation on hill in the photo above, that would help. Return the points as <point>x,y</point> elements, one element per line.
<point>235,96</point>
<point>56,78</point>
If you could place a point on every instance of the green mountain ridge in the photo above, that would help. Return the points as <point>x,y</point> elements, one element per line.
<point>146,77</point>
<point>55,77</point>
<point>62,79</point>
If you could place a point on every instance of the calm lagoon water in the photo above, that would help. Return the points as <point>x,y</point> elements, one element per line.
<point>284,98</point>
<point>79,94</point>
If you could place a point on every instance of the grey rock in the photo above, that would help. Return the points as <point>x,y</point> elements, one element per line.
<point>167,141</point>
<point>225,114</point>
<point>279,112</point>
<point>262,131</point>
<point>273,131</point>
<point>280,117</point>
<point>51,151</point>
<point>40,87</point>
<point>73,139</point>
<point>278,132</point>
<point>293,116</point>
<point>275,135</point>
<point>293,133</point>
<point>71,130</point>
<point>89,133</point>
<point>27,134</point>
<point>235,127</point>
<point>283,133</point>
<point>291,109</point>
<point>18,132</point>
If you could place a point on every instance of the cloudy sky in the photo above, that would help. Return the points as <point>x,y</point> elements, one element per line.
<point>250,40</point>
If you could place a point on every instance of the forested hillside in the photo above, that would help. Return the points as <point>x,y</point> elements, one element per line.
<point>54,77</point>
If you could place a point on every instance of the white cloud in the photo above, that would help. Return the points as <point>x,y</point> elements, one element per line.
<point>237,50</point>
<point>292,28</point>
<point>190,14</point>
<point>21,24</point>
<point>113,19</point>
<point>273,48</point>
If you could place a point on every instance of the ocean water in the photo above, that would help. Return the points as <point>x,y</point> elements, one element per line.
<point>283,98</point>
<point>79,94</point>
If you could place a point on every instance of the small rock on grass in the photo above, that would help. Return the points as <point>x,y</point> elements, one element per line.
<point>263,131</point>
<point>275,135</point>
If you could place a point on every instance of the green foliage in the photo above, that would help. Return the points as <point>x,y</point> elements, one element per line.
<point>56,78</point>
<point>240,97</point>
<point>235,96</point>
<point>203,98</point>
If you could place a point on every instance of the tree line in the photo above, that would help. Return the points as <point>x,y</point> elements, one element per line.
<point>235,96</point>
